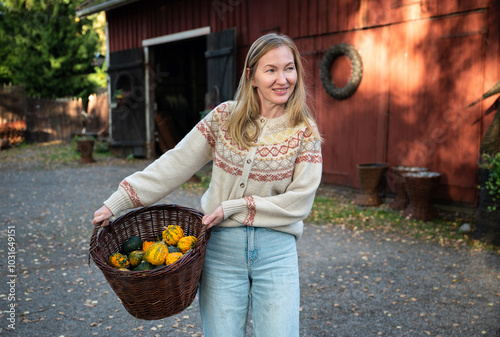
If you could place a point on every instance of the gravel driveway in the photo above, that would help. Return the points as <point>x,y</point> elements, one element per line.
<point>353,283</point>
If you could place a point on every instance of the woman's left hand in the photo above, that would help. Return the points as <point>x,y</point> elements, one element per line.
<point>213,219</point>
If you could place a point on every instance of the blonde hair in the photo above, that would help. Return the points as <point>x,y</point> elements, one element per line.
<point>242,123</point>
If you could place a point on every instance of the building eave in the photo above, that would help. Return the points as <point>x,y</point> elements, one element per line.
<point>89,8</point>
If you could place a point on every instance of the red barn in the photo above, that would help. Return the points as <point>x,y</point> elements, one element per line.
<point>423,63</point>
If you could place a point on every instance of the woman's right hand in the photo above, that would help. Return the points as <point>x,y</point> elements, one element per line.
<point>101,216</point>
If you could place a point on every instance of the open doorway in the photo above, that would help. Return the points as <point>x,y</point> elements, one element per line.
<point>180,95</point>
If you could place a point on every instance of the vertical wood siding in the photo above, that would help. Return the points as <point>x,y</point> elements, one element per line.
<point>423,63</point>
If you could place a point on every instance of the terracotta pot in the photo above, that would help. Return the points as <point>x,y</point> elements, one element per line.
<point>370,176</point>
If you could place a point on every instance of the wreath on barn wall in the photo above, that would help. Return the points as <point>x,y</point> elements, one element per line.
<point>356,70</point>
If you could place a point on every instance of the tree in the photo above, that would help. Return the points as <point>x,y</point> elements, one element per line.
<point>44,46</point>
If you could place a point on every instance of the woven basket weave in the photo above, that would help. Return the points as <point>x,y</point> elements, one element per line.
<point>420,187</point>
<point>370,176</point>
<point>397,181</point>
<point>162,292</point>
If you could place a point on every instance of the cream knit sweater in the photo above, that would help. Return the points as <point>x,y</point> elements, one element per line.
<point>271,185</point>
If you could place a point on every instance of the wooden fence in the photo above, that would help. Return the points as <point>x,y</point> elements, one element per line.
<point>43,120</point>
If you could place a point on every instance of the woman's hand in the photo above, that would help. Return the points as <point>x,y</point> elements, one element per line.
<point>101,216</point>
<point>213,219</point>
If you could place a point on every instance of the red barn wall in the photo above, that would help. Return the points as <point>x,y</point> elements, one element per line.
<point>423,63</point>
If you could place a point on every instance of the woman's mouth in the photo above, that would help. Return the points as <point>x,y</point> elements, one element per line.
<point>280,91</point>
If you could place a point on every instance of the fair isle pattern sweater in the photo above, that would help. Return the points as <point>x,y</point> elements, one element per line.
<point>271,185</point>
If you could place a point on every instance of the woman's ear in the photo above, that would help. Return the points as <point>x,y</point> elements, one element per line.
<point>247,71</point>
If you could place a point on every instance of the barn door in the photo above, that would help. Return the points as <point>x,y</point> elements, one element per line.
<point>221,66</point>
<point>128,124</point>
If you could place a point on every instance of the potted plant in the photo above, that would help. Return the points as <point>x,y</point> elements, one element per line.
<point>490,165</point>
<point>488,210</point>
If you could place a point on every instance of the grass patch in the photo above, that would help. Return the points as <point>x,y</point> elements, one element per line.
<point>383,221</point>
<point>47,155</point>
<point>337,209</point>
<point>199,186</point>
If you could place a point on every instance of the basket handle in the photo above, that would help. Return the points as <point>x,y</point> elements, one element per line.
<point>203,232</point>
<point>93,240</point>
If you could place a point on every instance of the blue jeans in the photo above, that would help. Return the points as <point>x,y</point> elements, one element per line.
<point>250,265</point>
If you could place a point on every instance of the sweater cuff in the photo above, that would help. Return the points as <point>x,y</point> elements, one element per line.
<point>118,202</point>
<point>231,207</point>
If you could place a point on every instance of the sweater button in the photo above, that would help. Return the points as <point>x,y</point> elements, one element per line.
<point>242,185</point>
<point>262,120</point>
<point>249,161</point>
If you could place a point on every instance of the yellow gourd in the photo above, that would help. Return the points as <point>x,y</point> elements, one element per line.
<point>172,234</point>
<point>157,253</point>
<point>136,257</point>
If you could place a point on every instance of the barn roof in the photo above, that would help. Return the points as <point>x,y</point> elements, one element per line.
<point>95,6</point>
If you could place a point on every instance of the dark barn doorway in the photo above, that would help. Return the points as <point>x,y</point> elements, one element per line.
<point>180,87</point>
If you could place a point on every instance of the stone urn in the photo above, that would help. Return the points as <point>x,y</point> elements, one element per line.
<point>397,182</point>
<point>370,176</point>
<point>420,187</point>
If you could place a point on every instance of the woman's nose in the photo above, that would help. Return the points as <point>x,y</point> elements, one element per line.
<point>281,78</point>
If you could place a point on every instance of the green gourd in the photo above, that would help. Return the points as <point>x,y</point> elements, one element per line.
<point>144,265</point>
<point>132,243</point>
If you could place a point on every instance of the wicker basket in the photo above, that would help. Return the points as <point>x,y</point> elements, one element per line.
<point>370,176</point>
<point>420,187</point>
<point>162,292</point>
<point>397,181</point>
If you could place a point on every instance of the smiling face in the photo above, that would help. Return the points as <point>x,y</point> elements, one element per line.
<point>274,79</point>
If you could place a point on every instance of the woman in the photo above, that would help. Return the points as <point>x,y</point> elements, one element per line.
<point>266,153</point>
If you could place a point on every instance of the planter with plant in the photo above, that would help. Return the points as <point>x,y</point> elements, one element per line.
<point>488,215</point>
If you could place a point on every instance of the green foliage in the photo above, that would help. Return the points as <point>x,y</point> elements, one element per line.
<point>44,46</point>
<point>492,185</point>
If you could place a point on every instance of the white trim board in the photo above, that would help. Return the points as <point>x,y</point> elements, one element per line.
<point>187,34</point>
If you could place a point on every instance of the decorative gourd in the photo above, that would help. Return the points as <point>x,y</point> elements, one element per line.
<point>157,253</point>
<point>172,234</point>
<point>186,243</point>
<point>124,269</point>
<point>118,260</point>
<point>144,265</point>
<point>133,243</point>
<point>173,249</point>
<point>136,257</point>
<point>146,245</point>
<point>173,257</point>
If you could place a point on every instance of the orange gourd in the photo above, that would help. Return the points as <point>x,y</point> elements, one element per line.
<point>173,257</point>
<point>146,245</point>
<point>186,243</point>
<point>118,260</point>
